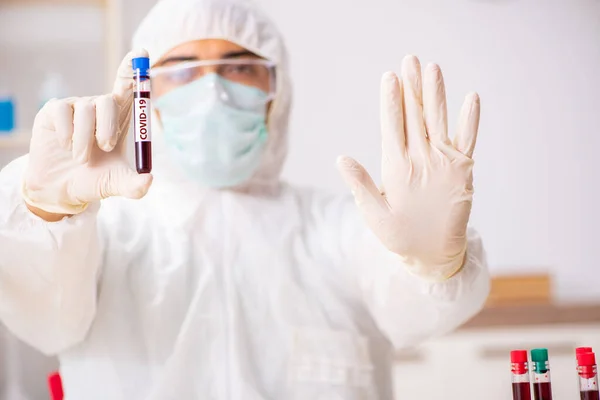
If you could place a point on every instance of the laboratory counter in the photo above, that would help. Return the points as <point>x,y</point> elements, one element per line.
<point>480,349</point>
<point>534,315</point>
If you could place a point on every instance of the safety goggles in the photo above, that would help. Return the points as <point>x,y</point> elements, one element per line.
<point>256,73</point>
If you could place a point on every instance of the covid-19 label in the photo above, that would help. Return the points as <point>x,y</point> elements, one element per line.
<point>142,119</point>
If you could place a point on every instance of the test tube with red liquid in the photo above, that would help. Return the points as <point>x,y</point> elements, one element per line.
<point>542,389</point>
<point>521,387</point>
<point>142,108</point>
<point>588,376</point>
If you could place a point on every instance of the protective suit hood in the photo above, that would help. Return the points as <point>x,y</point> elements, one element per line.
<point>173,22</point>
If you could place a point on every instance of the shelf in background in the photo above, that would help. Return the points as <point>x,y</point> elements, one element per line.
<point>525,315</point>
<point>52,23</point>
<point>534,288</point>
<point>15,141</point>
<point>53,2</point>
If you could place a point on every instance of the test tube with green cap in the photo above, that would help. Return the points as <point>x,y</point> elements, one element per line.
<point>542,389</point>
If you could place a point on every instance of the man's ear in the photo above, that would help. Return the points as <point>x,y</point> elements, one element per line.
<point>268,111</point>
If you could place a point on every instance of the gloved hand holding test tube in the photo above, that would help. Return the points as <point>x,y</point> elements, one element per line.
<point>77,152</point>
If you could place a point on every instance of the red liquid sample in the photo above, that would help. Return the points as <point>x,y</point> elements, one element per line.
<point>542,391</point>
<point>143,150</point>
<point>521,391</point>
<point>590,395</point>
<point>143,157</point>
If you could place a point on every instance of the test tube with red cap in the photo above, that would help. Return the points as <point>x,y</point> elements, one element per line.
<point>55,386</point>
<point>521,387</point>
<point>588,376</point>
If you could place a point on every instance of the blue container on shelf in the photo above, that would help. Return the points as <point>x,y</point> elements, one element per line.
<point>7,115</point>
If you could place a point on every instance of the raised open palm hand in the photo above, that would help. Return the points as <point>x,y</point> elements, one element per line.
<point>422,211</point>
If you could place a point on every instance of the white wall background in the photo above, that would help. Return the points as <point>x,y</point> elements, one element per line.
<point>535,65</point>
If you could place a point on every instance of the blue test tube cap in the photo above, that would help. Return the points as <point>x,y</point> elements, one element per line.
<point>141,63</point>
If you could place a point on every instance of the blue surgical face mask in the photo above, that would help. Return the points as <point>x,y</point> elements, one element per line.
<point>215,129</point>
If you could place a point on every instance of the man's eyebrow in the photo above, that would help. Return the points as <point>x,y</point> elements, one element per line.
<point>225,56</point>
<point>238,54</point>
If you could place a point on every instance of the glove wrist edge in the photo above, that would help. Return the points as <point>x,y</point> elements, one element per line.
<point>65,210</point>
<point>438,273</point>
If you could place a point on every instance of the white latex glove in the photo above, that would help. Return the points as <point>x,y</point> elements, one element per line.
<point>423,210</point>
<point>76,154</point>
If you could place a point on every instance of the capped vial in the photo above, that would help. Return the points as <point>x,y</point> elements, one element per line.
<point>521,387</point>
<point>542,387</point>
<point>588,376</point>
<point>142,110</point>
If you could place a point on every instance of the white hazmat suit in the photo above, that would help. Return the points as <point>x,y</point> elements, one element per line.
<point>271,292</point>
